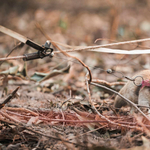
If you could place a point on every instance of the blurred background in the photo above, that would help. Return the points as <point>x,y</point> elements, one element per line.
<point>75,23</point>
<point>80,23</point>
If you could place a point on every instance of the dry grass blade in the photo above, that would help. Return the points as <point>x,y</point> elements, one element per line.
<point>112,44</point>
<point>118,51</point>
<point>109,50</point>
<point>88,48</point>
<point>13,34</point>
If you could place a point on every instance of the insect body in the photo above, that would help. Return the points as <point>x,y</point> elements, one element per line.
<point>42,50</point>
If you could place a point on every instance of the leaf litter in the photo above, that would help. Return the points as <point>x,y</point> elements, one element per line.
<point>46,115</point>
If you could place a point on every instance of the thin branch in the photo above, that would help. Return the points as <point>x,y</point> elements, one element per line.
<point>132,125</point>
<point>103,82</point>
<point>12,95</point>
<point>91,49</point>
<point>19,45</point>
<point>142,125</point>
<point>22,110</point>
<point>103,117</point>
<point>66,100</point>
<point>109,50</point>
<point>66,54</point>
<point>111,44</point>
<point>88,132</point>
<point>88,89</point>
<point>12,58</point>
<point>127,100</point>
<point>9,117</point>
<point>37,132</point>
<point>58,120</point>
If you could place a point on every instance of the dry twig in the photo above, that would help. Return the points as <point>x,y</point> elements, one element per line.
<point>8,117</point>
<point>66,54</point>
<point>142,125</point>
<point>127,100</point>
<point>107,45</point>
<point>103,82</point>
<point>12,95</point>
<point>103,117</point>
<point>36,132</point>
<point>87,132</point>
<point>22,110</point>
<point>19,45</point>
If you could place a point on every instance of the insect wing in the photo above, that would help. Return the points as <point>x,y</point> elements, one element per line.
<point>13,34</point>
<point>21,38</point>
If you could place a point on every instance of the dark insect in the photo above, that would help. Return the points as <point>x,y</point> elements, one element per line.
<point>43,50</point>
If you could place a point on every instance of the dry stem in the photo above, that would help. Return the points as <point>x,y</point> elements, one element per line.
<point>103,82</point>
<point>36,132</point>
<point>107,45</point>
<point>11,96</point>
<point>103,117</point>
<point>66,54</point>
<point>127,100</point>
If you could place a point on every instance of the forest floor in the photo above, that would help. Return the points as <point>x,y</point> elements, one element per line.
<point>52,107</point>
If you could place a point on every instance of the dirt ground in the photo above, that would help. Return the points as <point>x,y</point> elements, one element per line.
<point>51,109</point>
